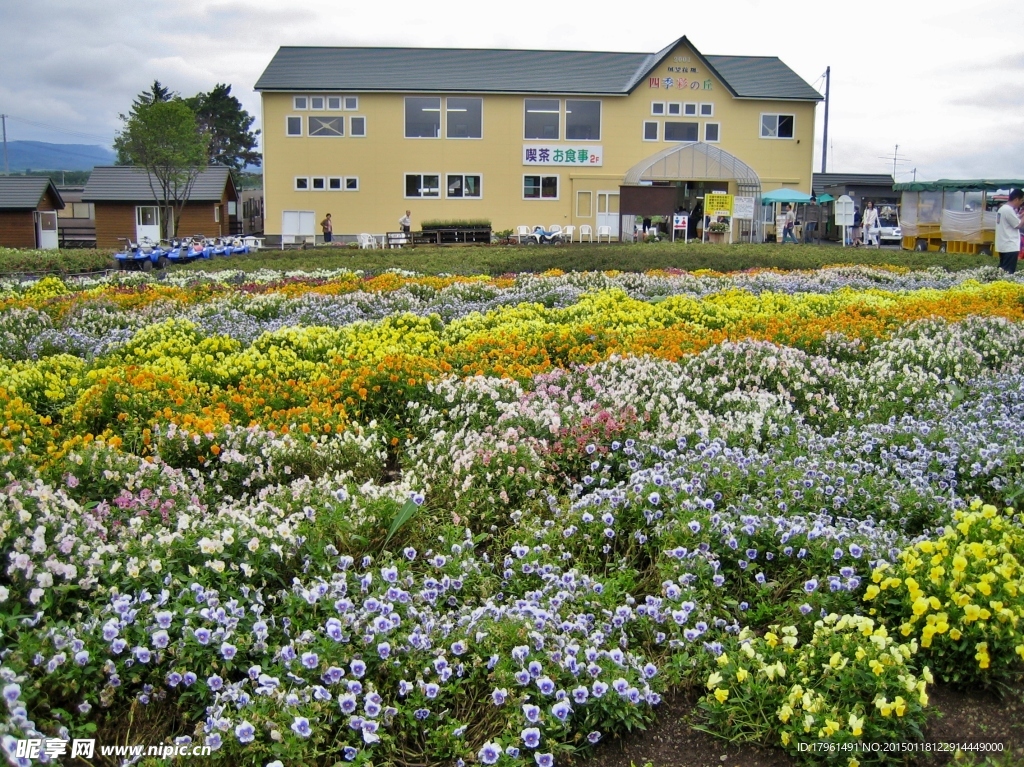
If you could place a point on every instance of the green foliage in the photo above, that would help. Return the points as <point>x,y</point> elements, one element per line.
<point>457,223</point>
<point>16,261</point>
<point>228,127</point>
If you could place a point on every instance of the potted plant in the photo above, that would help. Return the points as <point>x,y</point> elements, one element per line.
<point>717,231</point>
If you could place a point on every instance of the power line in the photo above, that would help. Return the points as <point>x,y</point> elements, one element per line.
<point>56,129</point>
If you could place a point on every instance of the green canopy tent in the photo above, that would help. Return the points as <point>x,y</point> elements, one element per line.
<point>784,195</point>
<point>825,198</point>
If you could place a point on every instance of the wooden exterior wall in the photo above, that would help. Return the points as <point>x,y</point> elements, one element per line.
<point>117,220</point>
<point>18,227</point>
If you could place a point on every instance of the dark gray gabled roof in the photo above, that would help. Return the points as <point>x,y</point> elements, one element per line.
<point>126,183</point>
<point>762,77</point>
<point>454,70</point>
<point>819,181</point>
<point>25,192</point>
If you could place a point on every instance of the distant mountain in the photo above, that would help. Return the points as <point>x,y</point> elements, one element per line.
<point>39,155</point>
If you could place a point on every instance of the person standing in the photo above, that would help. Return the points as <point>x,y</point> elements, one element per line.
<point>406,222</point>
<point>869,224</point>
<point>1008,226</point>
<point>328,226</point>
<point>788,230</point>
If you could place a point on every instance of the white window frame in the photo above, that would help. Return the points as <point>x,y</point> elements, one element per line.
<point>655,106</point>
<point>330,184</point>
<point>712,141</point>
<point>440,119</point>
<point>216,214</point>
<point>776,115</point>
<point>310,133</point>
<point>710,108</point>
<point>405,185</point>
<point>313,181</point>
<point>295,103</point>
<point>691,109</point>
<point>345,184</point>
<point>346,107</point>
<point>334,98</point>
<point>674,109</point>
<point>323,103</point>
<point>542,176</point>
<point>657,130</point>
<point>480,186</point>
<point>303,179</point>
<point>293,117</point>
<point>351,131</point>
<point>561,120</point>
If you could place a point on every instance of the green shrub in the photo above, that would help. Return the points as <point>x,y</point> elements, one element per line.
<point>457,223</point>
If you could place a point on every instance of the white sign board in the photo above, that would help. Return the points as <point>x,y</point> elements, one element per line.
<point>679,221</point>
<point>743,207</point>
<point>554,154</point>
<point>844,211</point>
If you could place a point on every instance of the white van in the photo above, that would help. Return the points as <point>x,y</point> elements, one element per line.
<point>889,221</point>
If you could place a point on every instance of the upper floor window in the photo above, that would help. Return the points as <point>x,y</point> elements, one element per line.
<point>293,125</point>
<point>316,102</point>
<point>358,125</point>
<point>777,126</point>
<point>326,126</point>
<point>301,102</point>
<point>542,119</point>
<point>351,103</point>
<point>681,131</point>
<point>582,120</point>
<point>422,117</point>
<point>464,116</point>
<point>334,103</point>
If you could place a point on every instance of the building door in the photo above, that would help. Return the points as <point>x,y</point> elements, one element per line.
<point>298,225</point>
<point>608,211</point>
<point>46,229</point>
<point>147,223</point>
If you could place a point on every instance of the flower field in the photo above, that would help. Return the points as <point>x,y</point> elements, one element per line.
<point>315,518</point>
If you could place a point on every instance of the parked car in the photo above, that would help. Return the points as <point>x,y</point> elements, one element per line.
<point>889,221</point>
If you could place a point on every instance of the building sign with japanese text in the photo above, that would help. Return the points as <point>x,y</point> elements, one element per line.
<point>681,77</point>
<point>548,154</point>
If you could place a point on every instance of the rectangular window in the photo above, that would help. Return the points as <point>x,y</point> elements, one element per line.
<point>463,186</point>
<point>542,119</point>
<point>334,183</point>
<point>707,110</point>
<point>422,185</point>
<point>351,183</point>
<point>681,131</point>
<point>657,107</point>
<point>357,125</point>
<point>232,208</point>
<point>675,108</point>
<point>464,117</point>
<point>584,204</point>
<point>351,103</point>
<point>326,126</point>
<point>301,184</point>
<point>422,117</point>
<point>690,110</point>
<point>76,210</point>
<point>651,130</point>
<point>582,120</point>
<point>316,102</point>
<point>216,214</point>
<point>300,102</point>
<point>540,187</point>
<point>293,125</point>
<point>711,132</point>
<point>319,183</point>
<point>334,103</point>
<point>777,126</point>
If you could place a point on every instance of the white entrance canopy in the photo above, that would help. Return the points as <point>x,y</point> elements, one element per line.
<point>695,161</point>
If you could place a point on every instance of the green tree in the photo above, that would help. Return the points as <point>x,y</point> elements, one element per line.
<point>232,142</point>
<point>163,138</point>
<point>155,94</point>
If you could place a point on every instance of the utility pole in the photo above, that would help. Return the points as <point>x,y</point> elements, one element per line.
<point>824,139</point>
<point>895,154</point>
<point>7,169</point>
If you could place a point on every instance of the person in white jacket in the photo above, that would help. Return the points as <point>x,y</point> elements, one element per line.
<point>869,224</point>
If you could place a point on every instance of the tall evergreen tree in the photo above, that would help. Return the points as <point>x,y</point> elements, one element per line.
<point>220,117</point>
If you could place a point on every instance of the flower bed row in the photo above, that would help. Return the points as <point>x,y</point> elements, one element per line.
<point>359,541</point>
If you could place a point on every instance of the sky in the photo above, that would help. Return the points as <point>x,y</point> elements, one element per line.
<point>942,81</point>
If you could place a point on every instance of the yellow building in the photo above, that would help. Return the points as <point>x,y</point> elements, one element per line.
<point>521,137</point>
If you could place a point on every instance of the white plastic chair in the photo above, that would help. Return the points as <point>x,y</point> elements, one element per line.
<point>586,231</point>
<point>523,231</point>
<point>603,231</point>
<point>367,241</point>
<point>555,228</point>
<point>568,233</point>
